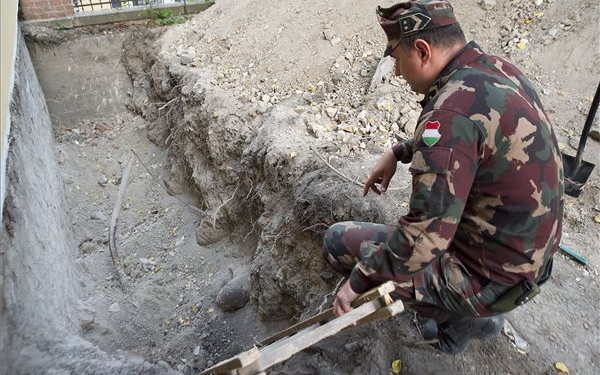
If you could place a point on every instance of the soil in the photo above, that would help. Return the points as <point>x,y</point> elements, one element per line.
<point>229,115</point>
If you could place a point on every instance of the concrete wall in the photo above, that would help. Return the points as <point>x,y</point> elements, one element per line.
<point>38,287</point>
<point>45,9</point>
<point>8,45</point>
<point>74,91</point>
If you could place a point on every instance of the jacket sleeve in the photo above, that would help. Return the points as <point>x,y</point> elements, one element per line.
<point>447,152</point>
<point>403,151</point>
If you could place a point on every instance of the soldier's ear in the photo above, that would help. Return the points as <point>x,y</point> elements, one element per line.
<point>423,50</point>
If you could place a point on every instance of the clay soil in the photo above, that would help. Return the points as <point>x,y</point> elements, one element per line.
<point>228,116</point>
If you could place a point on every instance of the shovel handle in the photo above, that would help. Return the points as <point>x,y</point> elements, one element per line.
<point>586,129</point>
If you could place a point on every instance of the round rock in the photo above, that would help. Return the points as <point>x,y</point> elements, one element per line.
<point>595,135</point>
<point>235,294</point>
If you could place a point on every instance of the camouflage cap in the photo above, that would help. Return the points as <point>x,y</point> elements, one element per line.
<point>413,16</point>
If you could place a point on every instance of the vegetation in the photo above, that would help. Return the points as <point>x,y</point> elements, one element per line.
<point>163,17</point>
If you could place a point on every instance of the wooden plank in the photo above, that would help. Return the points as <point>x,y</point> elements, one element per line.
<point>375,293</point>
<point>243,359</point>
<point>327,315</point>
<point>288,342</point>
<point>279,352</point>
<point>323,317</point>
<point>390,310</point>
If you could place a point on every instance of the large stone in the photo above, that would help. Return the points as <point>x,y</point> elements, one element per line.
<point>487,4</point>
<point>595,135</point>
<point>235,294</point>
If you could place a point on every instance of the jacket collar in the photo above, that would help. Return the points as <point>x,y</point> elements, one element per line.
<point>465,56</point>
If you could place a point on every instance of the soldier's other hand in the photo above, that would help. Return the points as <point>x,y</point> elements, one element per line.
<point>344,299</point>
<point>381,174</point>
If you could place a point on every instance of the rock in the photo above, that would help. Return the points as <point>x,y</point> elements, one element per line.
<point>146,261</point>
<point>235,294</point>
<point>595,135</point>
<point>574,143</point>
<point>553,32</point>
<point>335,41</point>
<point>186,59</point>
<point>114,307</point>
<point>487,4</point>
<point>410,126</point>
<point>329,34</point>
<point>196,350</point>
<point>395,115</point>
<point>103,180</point>
<point>86,319</point>
<point>318,130</point>
<point>87,247</point>
<point>99,216</point>
<point>307,96</point>
<point>262,107</point>
<point>385,103</point>
<point>331,111</point>
<point>539,2</point>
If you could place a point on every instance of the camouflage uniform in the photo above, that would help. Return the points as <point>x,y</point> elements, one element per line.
<point>486,205</point>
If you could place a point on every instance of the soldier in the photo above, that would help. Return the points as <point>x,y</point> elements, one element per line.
<point>485,213</point>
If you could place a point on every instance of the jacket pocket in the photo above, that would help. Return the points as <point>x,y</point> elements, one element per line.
<point>458,294</point>
<point>429,169</point>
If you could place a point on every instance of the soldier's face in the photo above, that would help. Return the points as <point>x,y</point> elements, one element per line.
<point>409,66</point>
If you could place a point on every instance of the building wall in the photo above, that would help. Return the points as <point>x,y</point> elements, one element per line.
<point>45,9</point>
<point>8,45</point>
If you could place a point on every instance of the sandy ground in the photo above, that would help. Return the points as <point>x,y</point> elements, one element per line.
<point>170,312</point>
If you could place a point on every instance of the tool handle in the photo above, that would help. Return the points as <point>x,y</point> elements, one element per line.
<point>573,255</point>
<point>586,129</point>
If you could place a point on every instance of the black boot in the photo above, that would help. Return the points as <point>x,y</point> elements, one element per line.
<point>454,336</point>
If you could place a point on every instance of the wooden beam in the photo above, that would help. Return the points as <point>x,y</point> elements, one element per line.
<point>229,366</point>
<point>327,315</point>
<point>279,352</point>
<point>392,309</point>
<point>372,305</point>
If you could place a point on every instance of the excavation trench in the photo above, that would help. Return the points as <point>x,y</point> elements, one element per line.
<point>216,195</point>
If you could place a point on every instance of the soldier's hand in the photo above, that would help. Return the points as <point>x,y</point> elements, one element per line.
<point>381,174</point>
<point>344,299</point>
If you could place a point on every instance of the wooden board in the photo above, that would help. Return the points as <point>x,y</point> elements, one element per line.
<point>327,315</point>
<point>280,351</point>
<point>372,305</point>
<point>241,360</point>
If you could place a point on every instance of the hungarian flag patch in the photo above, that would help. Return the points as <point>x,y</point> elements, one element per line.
<point>431,135</point>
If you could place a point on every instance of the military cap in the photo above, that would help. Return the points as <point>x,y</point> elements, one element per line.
<point>409,17</point>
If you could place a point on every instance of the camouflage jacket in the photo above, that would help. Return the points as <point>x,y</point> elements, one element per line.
<point>487,178</point>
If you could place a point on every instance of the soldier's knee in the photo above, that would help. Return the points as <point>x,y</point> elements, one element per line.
<point>329,239</point>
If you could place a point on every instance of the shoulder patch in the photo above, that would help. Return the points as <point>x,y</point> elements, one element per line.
<point>431,135</point>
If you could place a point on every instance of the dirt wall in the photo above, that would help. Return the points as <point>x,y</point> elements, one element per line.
<point>266,169</point>
<point>83,80</point>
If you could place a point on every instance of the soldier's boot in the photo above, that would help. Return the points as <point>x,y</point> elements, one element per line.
<point>454,336</point>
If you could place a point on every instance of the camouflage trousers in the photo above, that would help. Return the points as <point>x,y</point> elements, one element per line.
<point>444,290</point>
